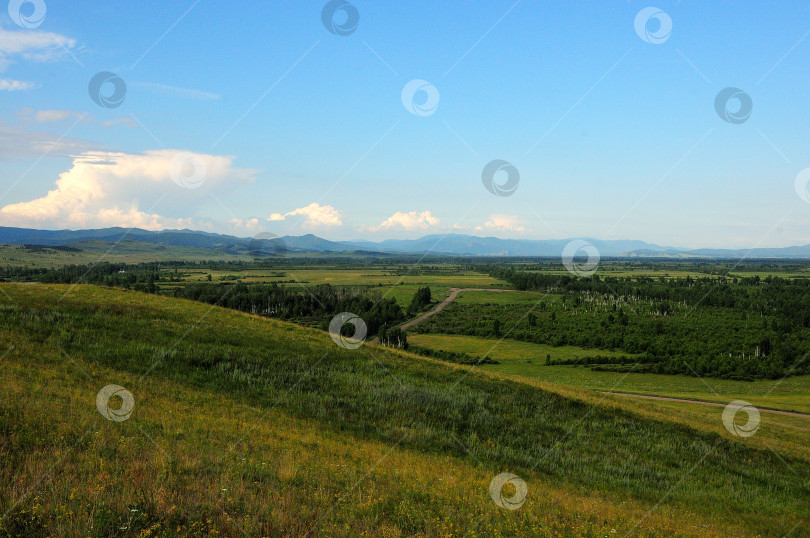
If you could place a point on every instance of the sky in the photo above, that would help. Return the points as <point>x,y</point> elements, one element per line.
<point>350,120</point>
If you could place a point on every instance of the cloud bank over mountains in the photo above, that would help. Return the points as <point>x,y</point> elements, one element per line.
<point>130,190</point>
<point>165,189</point>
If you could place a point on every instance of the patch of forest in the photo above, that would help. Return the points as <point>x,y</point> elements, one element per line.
<point>737,328</point>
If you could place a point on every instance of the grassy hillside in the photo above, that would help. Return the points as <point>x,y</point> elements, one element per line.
<point>243,424</point>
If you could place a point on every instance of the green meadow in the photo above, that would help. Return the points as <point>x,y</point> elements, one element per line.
<point>525,359</point>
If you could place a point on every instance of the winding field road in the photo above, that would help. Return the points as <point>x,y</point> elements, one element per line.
<point>712,404</point>
<point>439,307</point>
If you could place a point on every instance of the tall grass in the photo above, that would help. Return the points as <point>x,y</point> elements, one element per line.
<point>368,397</point>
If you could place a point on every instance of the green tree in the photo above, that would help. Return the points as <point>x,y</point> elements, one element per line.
<point>393,337</point>
<point>421,299</point>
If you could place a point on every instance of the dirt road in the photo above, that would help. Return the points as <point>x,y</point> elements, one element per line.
<point>712,404</point>
<point>439,307</point>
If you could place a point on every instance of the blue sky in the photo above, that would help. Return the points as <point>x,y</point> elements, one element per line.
<point>294,129</point>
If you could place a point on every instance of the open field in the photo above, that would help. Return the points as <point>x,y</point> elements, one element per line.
<point>403,293</point>
<point>525,359</point>
<point>522,299</point>
<point>374,277</point>
<point>346,436</point>
<point>388,282</point>
<point>126,251</point>
<point>504,349</point>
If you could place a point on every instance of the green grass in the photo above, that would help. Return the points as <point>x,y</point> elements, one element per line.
<point>527,360</point>
<point>210,374</point>
<point>505,350</point>
<point>520,298</point>
<point>374,277</point>
<point>377,280</point>
<point>404,293</point>
<point>387,286</point>
<point>192,463</point>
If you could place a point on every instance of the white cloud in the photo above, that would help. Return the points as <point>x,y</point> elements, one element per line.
<point>7,85</point>
<point>503,223</point>
<point>45,116</point>
<point>33,46</point>
<point>412,220</point>
<point>129,122</point>
<point>19,143</point>
<point>56,116</point>
<point>111,189</point>
<point>245,225</point>
<point>174,91</point>
<point>314,216</point>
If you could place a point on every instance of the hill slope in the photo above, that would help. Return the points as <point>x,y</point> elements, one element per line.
<point>244,423</point>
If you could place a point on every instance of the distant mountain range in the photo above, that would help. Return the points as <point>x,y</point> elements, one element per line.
<point>449,244</point>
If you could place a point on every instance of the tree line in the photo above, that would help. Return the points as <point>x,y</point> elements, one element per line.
<point>312,306</point>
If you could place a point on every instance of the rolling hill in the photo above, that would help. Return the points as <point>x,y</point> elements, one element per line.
<point>241,424</point>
